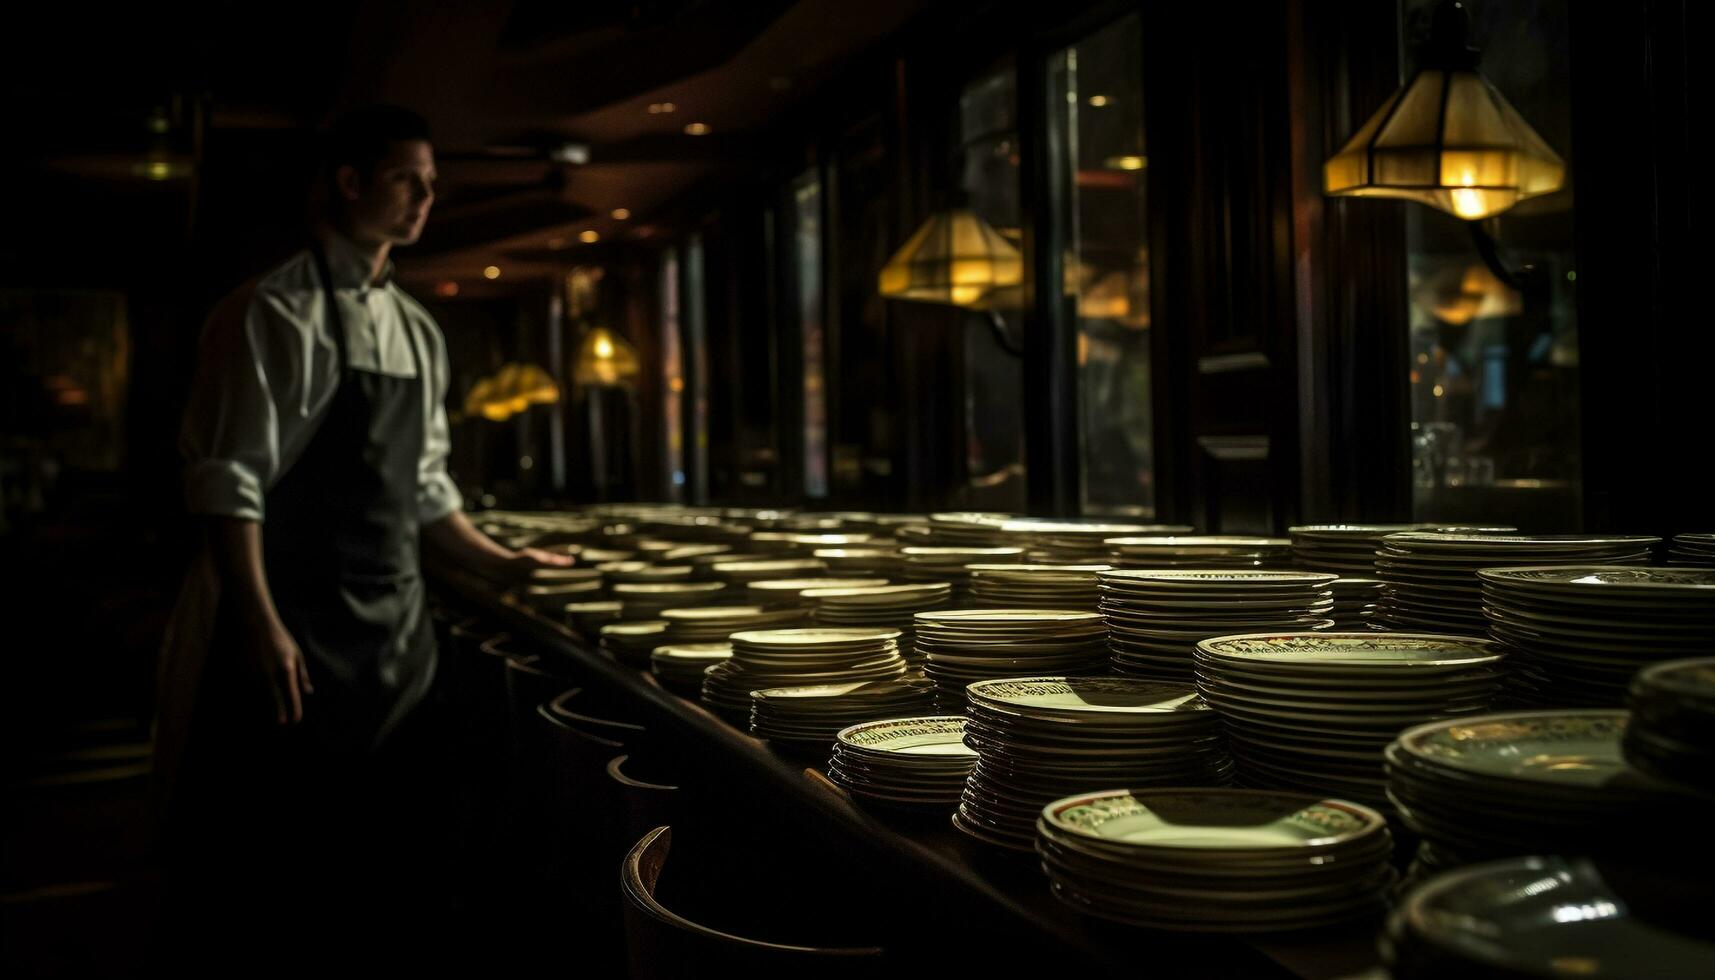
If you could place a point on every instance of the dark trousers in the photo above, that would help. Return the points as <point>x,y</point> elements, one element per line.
<point>285,852</point>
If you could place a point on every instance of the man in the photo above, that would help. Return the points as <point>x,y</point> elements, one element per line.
<point>316,444</point>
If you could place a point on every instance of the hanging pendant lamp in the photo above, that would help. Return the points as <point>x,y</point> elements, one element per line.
<point>1447,138</point>
<point>955,258</point>
<point>604,360</point>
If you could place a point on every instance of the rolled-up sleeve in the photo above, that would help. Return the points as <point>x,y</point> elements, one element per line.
<point>250,372</point>
<point>437,494</point>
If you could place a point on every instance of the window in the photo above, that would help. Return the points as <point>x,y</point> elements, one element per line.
<point>806,205</point>
<point>993,377</point>
<point>1096,110</point>
<point>672,377</point>
<point>1494,367</point>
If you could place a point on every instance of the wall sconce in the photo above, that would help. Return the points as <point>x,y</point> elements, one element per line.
<point>1447,138</point>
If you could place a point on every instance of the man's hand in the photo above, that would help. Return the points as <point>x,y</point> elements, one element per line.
<point>236,545</point>
<point>282,663</point>
<point>454,540</point>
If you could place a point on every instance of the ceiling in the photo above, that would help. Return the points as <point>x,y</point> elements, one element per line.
<point>505,86</point>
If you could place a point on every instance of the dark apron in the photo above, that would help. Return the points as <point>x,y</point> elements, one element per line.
<point>330,817</point>
<point>340,543</point>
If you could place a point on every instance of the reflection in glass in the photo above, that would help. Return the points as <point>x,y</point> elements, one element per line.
<point>1097,107</point>
<point>1494,364</point>
<point>807,267</point>
<point>994,378</point>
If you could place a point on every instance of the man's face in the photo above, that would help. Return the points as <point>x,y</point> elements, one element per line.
<point>391,202</point>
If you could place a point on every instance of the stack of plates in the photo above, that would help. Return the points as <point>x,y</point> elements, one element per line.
<point>959,646</point>
<point>680,667</point>
<point>1431,576</point>
<point>1579,632</point>
<point>1672,733</point>
<point>602,556</point>
<point>776,592</point>
<point>881,606</point>
<point>1216,860</point>
<point>1156,617</point>
<point>559,576</point>
<point>768,658</point>
<point>1692,549</point>
<point>642,571</point>
<point>1506,785</point>
<point>646,600</point>
<point>550,599</point>
<point>587,618</point>
<point>957,530</point>
<point>704,565</point>
<point>1204,551</point>
<point>1041,738</point>
<point>713,624</point>
<point>1349,549</point>
<point>811,717</point>
<point>1534,917</point>
<point>905,762</point>
<point>631,643</point>
<point>800,543</point>
<point>740,573</point>
<point>1036,586</point>
<point>948,565</point>
<point>691,552</point>
<point>1313,711</point>
<point>883,562</point>
<point>1357,603</point>
<point>1075,541</point>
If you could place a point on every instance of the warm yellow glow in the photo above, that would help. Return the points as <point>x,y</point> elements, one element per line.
<point>1129,162</point>
<point>491,272</point>
<point>621,214</point>
<point>604,360</point>
<point>589,237</point>
<point>512,389</point>
<point>696,129</point>
<point>1447,139</point>
<point>657,108</point>
<point>1458,296</point>
<point>1097,101</point>
<point>1439,391</point>
<point>955,257</point>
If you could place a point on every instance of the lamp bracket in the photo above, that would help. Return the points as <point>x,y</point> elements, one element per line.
<point>1449,45</point>
<point>1490,252</point>
<point>998,325</point>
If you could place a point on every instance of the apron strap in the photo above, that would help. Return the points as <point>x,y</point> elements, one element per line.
<point>336,323</point>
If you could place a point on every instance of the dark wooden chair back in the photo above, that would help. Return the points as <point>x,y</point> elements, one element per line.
<point>663,943</point>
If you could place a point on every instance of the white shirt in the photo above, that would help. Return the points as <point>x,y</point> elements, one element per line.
<point>268,370</point>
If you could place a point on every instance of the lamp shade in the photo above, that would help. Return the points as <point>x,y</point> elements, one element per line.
<point>512,389</point>
<point>605,360</point>
<point>523,385</point>
<point>1447,139</point>
<point>955,258</point>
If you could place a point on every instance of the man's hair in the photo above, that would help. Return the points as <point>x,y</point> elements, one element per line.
<point>360,138</point>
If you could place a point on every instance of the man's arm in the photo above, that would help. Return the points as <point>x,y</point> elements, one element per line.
<point>454,540</point>
<point>236,546</point>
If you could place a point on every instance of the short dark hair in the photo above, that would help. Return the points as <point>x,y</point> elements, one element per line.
<point>360,137</point>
